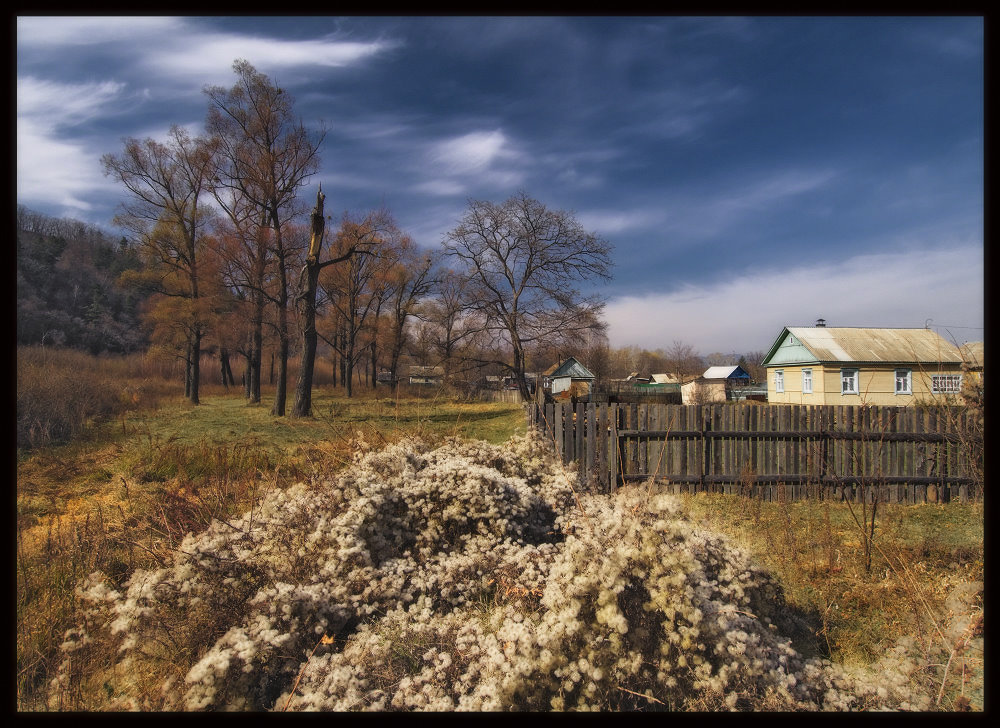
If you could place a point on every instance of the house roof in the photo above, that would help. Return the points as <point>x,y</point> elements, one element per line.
<point>569,368</point>
<point>802,344</point>
<point>666,379</point>
<point>418,371</point>
<point>973,353</point>
<point>725,372</point>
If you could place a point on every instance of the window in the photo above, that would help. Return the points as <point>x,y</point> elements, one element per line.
<point>807,381</point>
<point>904,381</point>
<point>779,381</point>
<point>848,381</point>
<point>946,383</point>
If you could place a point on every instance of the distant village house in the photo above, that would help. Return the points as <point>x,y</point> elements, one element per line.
<point>854,366</point>
<point>426,375</point>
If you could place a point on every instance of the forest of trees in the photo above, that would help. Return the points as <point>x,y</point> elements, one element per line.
<point>68,286</point>
<point>222,259</point>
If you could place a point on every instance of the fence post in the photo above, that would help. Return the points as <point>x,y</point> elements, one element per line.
<point>615,447</point>
<point>703,460</point>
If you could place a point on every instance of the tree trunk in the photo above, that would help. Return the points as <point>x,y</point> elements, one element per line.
<point>343,361</point>
<point>227,372</point>
<point>280,391</point>
<point>255,362</point>
<point>195,367</point>
<point>349,372</point>
<point>522,384</point>
<point>187,371</point>
<point>303,387</point>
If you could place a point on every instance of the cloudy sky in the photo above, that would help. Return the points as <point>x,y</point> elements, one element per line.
<point>751,173</point>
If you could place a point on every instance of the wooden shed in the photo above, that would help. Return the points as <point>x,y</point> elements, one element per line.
<point>568,374</point>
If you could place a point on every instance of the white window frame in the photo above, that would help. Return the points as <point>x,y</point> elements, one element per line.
<point>779,380</point>
<point>847,375</point>
<point>946,383</point>
<point>807,381</point>
<point>904,377</point>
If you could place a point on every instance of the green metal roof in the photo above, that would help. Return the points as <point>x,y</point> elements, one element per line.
<point>571,368</point>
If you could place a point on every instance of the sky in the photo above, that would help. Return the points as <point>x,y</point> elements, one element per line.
<point>750,173</point>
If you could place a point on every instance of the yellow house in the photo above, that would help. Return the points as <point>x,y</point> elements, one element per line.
<point>858,366</point>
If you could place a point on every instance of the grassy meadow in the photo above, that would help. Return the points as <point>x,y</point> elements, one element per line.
<point>113,475</point>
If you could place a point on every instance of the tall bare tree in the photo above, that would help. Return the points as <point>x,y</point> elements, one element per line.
<point>243,243</point>
<point>411,278</point>
<point>306,302</point>
<point>349,288</point>
<point>166,182</point>
<point>266,155</point>
<point>451,323</point>
<point>523,262</point>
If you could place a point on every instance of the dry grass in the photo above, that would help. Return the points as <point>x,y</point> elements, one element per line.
<point>112,475</point>
<point>853,615</point>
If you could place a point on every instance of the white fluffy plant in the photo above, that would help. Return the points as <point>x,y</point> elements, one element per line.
<point>466,577</point>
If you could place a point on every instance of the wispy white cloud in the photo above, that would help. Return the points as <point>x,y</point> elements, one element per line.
<point>608,222</point>
<point>206,54</point>
<point>55,104</point>
<point>43,31</point>
<point>176,50</point>
<point>773,189</point>
<point>901,289</point>
<point>702,214</point>
<point>441,187</point>
<point>471,153</point>
<point>472,161</point>
<point>45,111</point>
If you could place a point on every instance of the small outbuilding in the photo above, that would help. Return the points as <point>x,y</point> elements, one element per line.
<point>733,374</point>
<point>426,375</point>
<point>703,391</point>
<point>568,374</point>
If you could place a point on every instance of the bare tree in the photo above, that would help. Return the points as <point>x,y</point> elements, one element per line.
<point>243,244</point>
<point>683,361</point>
<point>523,262</point>
<point>166,183</point>
<point>412,278</point>
<point>349,288</point>
<point>450,322</point>
<point>306,303</point>
<point>266,156</point>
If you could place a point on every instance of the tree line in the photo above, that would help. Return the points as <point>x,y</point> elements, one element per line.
<point>71,292</point>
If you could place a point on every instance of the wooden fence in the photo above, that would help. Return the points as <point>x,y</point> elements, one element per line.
<point>897,454</point>
<point>509,396</point>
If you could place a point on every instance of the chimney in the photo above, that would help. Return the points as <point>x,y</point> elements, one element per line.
<point>820,323</point>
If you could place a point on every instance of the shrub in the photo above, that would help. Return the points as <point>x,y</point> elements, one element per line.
<point>60,391</point>
<point>465,577</point>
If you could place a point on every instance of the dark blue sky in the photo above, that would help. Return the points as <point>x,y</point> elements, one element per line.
<point>751,173</point>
